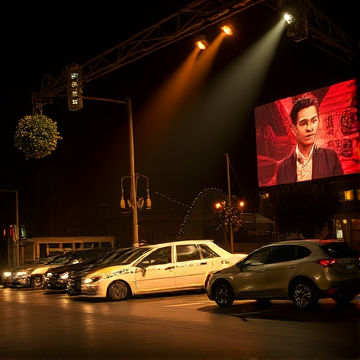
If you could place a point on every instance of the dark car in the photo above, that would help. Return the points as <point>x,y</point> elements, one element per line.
<point>75,276</point>
<point>32,275</point>
<point>56,278</point>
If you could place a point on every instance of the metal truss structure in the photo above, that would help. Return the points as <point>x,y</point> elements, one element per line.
<point>192,19</point>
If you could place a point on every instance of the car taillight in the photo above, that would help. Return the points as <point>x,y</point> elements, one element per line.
<point>326,262</point>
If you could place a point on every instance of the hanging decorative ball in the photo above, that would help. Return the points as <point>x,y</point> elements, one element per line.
<point>36,136</point>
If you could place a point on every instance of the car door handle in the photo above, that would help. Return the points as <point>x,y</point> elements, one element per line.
<point>262,270</point>
<point>292,266</point>
<point>170,267</point>
<point>204,263</point>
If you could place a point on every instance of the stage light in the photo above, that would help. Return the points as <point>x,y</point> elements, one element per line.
<point>288,17</point>
<point>201,43</point>
<point>294,12</point>
<point>227,30</point>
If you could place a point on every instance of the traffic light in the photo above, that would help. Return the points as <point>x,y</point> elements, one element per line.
<point>74,87</point>
<point>12,231</point>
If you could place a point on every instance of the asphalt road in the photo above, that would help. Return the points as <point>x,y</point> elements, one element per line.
<point>35,324</point>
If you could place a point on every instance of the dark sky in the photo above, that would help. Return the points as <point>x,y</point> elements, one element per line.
<point>40,38</point>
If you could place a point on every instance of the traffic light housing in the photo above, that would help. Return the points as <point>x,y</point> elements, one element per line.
<point>12,232</point>
<point>74,87</point>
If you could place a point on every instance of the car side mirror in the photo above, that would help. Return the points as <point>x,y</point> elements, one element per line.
<point>142,269</point>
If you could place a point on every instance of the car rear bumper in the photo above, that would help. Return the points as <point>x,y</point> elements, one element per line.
<point>344,288</point>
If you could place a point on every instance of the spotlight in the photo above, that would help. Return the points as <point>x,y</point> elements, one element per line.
<point>294,12</point>
<point>227,30</point>
<point>288,17</point>
<point>201,43</point>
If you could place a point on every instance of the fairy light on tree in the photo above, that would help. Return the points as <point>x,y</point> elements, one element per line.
<point>226,214</point>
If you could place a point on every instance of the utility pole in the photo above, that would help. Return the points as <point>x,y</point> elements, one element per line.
<point>231,233</point>
<point>17,229</point>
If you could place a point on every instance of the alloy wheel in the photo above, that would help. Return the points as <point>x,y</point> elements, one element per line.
<point>305,295</point>
<point>224,295</point>
<point>118,290</point>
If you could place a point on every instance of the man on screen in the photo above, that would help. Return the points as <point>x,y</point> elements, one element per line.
<point>308,161</point>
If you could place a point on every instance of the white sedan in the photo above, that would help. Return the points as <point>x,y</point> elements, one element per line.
<point>167,267</point>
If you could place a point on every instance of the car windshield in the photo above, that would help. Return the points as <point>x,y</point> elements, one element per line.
<point>338,250</point>
<point>132,255</point>
<point>60,259</point>
<point>105,257</point>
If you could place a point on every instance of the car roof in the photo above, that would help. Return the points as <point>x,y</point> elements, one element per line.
<point>306,241</point>
<point>180,242</point>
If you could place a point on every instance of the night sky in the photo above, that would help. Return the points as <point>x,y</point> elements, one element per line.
<point>187,154</point>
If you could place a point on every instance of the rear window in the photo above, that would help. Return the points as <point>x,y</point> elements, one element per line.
<point>187,253</point>
<point>302,252</point>
<point>206,252</point>
<point>338,250</point>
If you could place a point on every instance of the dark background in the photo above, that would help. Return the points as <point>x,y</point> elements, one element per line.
<point>40,38</point>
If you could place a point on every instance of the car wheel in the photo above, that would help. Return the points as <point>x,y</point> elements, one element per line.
<point>223,293</point>
<point>37,282</point>
<point>305,294</point>
<point>118,290</point>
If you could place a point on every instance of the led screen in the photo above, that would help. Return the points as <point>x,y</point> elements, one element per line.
<point>310,136</point>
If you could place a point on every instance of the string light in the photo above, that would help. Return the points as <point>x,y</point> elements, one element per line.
<point>191,207</point>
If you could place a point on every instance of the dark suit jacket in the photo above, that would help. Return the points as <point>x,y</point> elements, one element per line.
<point>325,164</point>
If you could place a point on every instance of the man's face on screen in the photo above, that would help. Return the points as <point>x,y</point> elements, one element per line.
<point>306,126</point>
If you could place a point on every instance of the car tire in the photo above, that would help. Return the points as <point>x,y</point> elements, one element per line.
<point>37,282</point>
<point>118,291</point>
<point>223,294</point>
<point>304,294</point>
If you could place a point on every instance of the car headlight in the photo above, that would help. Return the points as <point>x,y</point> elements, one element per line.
<point>7,273</point>
<point>21,273</point>
<point>49,274</point>
<point>92,280</point>
<point>64,276</point>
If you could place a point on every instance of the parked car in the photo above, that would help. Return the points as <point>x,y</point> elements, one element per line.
<point>167,267</point>
<point>5,276</point>
<point>57,278</point>
<point>32,275</point>
<point>116,258</point>
<point>303,271</point>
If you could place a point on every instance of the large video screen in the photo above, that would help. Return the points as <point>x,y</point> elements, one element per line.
<point>310,136</point>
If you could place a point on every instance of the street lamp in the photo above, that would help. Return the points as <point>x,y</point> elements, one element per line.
<point>135,224</point>
<point>139,203</point>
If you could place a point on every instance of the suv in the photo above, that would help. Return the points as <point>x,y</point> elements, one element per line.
<point>303,271</point>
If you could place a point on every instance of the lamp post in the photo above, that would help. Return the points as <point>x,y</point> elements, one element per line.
<point>135,225</point>
<point>17,237</point>
<point>140,203</point>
